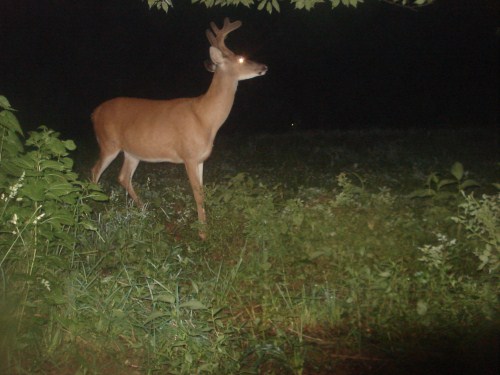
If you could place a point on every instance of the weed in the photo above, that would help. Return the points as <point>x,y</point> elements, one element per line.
<point>435,186</point>
<point>481,220</point>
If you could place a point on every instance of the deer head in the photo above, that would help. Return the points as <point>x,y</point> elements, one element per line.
<point>223,58</point>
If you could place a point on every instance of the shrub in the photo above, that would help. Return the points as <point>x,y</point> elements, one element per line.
<point>481,220</point>
<point>44,208</point>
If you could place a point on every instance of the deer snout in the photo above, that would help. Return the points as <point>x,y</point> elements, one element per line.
<point>263,70</point>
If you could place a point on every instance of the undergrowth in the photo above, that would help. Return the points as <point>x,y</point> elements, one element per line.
<point>317,264</point>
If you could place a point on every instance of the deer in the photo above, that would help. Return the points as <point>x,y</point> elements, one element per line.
<point>181,130</point>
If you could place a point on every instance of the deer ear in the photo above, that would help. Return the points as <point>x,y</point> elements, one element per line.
<point>209,65</point>
<point>216,56</point>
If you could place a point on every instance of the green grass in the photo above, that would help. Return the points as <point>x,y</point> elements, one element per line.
<point>318,261</point>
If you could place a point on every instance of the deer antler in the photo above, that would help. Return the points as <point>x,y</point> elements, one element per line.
<point>216,36</point>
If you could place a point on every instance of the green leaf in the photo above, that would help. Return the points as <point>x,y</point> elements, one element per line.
<point>63,217</point>
<point>155,315</point>
<point>51,164</point>
<point>432,178</point>
<point>299,4</point>
<point>70,145</point>
<point>11,145</point>
<point>165,297</point>
<point>28,161</point>
<point>4,103</point>
<point>98,196</point>
<point>9,120</point>
<point>457,170</point>
<point>11,169</point>
<point>57,147</point>
<point>60,189</point>
<point>65,238</point>
<point>422,193</point>
<point>445,182</point>
<point>193,305</point>
<point>89,225</point>
<point>67,162</point>
<point>33,191</point>
<point>469,183</point>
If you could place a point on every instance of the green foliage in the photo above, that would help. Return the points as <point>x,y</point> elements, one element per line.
<point>165,5</point>
<point>274,5</point>
<point>42,199</point>
<point>44,208</point>
<point>436,187</point>
<point>316,258</point>
<point>481,220</point>
<point>480,217</point>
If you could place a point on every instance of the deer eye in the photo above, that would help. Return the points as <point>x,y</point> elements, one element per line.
<point>241,60</point>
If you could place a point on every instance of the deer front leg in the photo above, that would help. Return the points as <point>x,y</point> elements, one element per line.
<point>195,173</point>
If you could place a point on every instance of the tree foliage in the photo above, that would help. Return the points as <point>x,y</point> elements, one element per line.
<point>274,5</point>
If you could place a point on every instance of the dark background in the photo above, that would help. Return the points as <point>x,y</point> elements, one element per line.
<point>376,66</point>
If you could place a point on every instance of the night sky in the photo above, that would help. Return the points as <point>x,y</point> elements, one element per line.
<point>375,66</point>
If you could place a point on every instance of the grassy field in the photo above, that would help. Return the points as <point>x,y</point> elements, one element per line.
<point>369,252</point>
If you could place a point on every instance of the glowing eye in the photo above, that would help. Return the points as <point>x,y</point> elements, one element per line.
<point>241,60</point>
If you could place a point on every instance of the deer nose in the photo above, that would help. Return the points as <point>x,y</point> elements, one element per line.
<point>264,70</point>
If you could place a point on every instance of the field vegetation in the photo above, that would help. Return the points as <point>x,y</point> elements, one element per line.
<point>363,252</point>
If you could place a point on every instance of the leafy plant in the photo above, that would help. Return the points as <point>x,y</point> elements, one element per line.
<point>438,256</point>
<point>43,201</point>
<point>44,209</point>
<point>350,193</point>
<point>481,220</point>
<point>435,186</point>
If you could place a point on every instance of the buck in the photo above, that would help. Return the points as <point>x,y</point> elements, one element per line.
<point>178,130</point>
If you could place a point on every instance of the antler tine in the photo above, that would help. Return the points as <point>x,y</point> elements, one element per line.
<point>216,36</point>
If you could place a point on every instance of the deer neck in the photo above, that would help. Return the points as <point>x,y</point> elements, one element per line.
<point>216,103</point>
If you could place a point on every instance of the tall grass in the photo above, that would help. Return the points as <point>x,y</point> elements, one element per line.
<point>319,260</point>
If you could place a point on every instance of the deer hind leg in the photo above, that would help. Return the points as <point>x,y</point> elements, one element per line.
<point>104,161</point>
<point>125,177</point>
<point>195,174</point>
